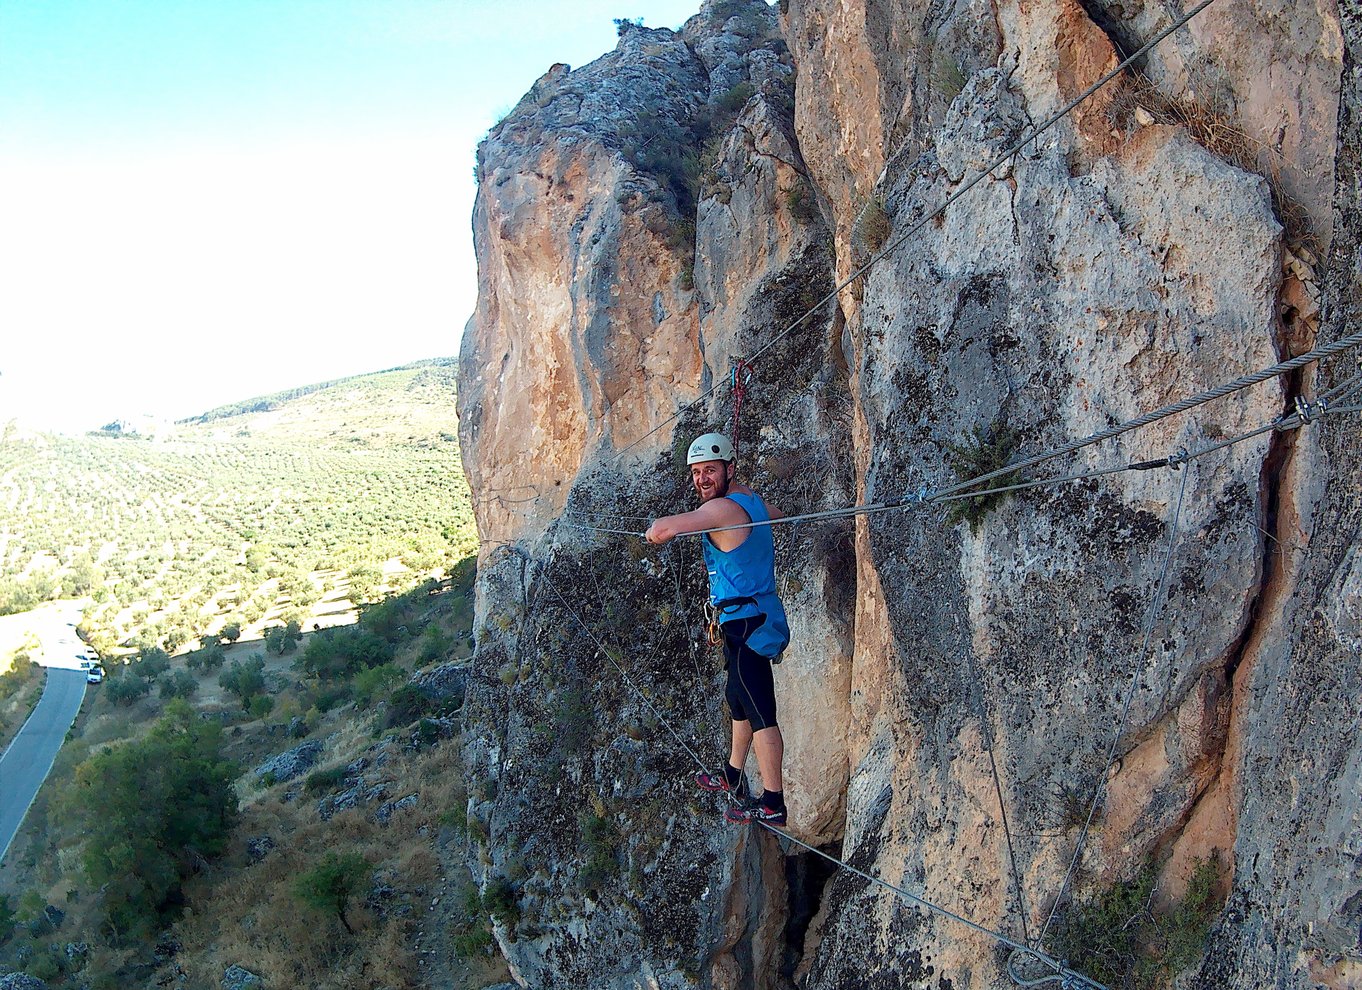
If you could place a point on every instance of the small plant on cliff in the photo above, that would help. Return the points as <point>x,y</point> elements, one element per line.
<point>501,901</point>
<point>872,226</point>
<point>985,449</point>
<point>599,864</point>
<point>1120,938</point>
<point>799,201</point>
<point>947,76</point>
<point>736,98</point>
<point>469,934</point>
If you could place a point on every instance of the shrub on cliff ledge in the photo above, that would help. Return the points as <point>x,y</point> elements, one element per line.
<point>1121,939</point>
<point>983,451</point>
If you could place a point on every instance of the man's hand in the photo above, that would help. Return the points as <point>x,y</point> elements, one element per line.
<point>659,533</point>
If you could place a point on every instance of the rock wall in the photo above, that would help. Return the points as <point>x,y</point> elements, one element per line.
<point>692,199</point>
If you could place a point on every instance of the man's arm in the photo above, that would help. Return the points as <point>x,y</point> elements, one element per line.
<point>712,515</point>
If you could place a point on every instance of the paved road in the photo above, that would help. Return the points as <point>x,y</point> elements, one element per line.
<point>25,764</point>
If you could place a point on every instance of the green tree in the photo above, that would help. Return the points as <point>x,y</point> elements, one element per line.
<point>151,663</point>
<point>231,632</point>
<point>7,918</point>
<point>179,684</point>
<point>363,583</point>
<point>245,680</point>
<point>376,682</point>
<point>329,886</point>
<point>153,808</point>
<point>275,640</point>
<point>214,658</point>
<point>126,689</point>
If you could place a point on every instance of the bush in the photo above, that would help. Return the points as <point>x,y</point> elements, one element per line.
<point>469,934</point>
<point>333,696</point>
<point>502,902</point>
<point>1119,939</point>
<point>800,202</point>
<point>872,227</point>
<point>151,809</point>
<point>406,705</point>
<point>324,780</point>
<point>339,652</point>
<point>244,680</point>
<point>22,672</point>
<point>370,684</point>
<point>599,864</point>
<point>736,98</point>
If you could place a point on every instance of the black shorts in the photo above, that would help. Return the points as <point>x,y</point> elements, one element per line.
<point>751,690</point>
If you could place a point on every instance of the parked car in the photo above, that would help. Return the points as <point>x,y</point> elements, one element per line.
<point>94,675</point>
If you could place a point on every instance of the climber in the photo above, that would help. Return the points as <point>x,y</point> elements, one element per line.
<point>742,595</point>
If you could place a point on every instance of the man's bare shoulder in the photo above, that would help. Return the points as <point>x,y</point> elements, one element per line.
<point>725,512</point>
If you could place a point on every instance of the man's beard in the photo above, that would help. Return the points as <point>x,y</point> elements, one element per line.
<point>720,490</point>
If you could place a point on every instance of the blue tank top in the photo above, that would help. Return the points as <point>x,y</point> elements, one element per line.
<point>749,572</point>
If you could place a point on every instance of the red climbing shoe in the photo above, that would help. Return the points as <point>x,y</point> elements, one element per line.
<point>718,782</point>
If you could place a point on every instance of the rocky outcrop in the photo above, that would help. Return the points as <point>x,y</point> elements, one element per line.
<point>287,765</point>
<point>1143,249</point>
<point>444,682</point>
<point>20,981</point>
<point>239,978</point>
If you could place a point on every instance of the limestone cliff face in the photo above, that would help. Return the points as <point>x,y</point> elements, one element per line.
<point>687,201</point>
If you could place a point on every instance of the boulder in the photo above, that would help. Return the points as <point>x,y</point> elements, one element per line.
<point>385,811</point>
<point>444,682</point>
<point>258,847</point>
<point>291,763</point>
<point>20,981</point>
<point>352,797</point>
<point>239,978</point>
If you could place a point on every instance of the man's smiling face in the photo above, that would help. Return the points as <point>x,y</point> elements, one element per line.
<point>711,478</point>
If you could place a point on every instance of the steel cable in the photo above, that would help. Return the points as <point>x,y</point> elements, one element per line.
<point>893,245</point>
<point>1100,789</point>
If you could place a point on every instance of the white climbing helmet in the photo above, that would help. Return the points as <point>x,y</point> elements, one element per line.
<point>709,447</point>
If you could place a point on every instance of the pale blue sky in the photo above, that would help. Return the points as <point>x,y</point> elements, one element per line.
<point>203,201</point>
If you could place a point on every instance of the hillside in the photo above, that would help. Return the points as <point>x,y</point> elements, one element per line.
<point>199,794</point>
<point>323,493</point>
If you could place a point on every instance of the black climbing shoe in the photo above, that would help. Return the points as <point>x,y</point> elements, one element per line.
<point>755,813</point>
